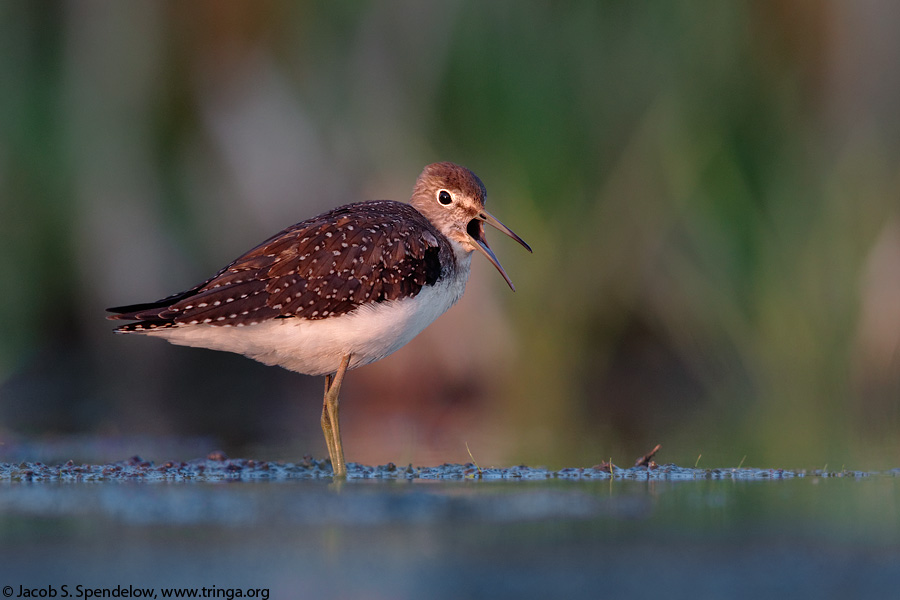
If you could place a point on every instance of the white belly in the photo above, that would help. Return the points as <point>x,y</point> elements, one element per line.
<point>316,347</point>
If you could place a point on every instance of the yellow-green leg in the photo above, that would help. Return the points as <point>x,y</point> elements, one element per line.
<point>326,421</point>
<point>330,418</point>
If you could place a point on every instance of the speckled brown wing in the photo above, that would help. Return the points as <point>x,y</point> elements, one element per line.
<point>326,266</point>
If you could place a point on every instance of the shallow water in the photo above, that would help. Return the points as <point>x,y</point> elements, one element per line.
<point>692,534</point>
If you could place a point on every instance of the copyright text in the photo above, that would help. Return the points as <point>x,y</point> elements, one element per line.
<point>130,591</point>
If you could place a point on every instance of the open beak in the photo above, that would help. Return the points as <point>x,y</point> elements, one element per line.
<point>475,230</point>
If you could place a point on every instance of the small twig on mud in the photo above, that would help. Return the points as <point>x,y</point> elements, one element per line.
<point>473,459</point>
<point>647,459</point>
<point>606,465</point>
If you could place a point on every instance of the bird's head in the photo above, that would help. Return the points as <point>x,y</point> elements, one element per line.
<point>452,198</point>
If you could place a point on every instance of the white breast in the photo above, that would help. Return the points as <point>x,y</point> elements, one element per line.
<point>316,347</point>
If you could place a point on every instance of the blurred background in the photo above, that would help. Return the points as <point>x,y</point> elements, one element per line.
<point>711,189</point>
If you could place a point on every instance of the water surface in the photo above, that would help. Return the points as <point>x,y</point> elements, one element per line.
<point>803,535</point>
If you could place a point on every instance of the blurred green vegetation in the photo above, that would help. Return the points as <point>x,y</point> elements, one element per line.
<point>711,190</point>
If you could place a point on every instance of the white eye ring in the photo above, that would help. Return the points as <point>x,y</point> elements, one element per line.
<point>444,197</point>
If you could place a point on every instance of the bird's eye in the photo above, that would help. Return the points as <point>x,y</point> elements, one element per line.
<point>444,197</point>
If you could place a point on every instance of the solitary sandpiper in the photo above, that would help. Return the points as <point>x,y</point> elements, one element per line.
<point>340,290</point>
